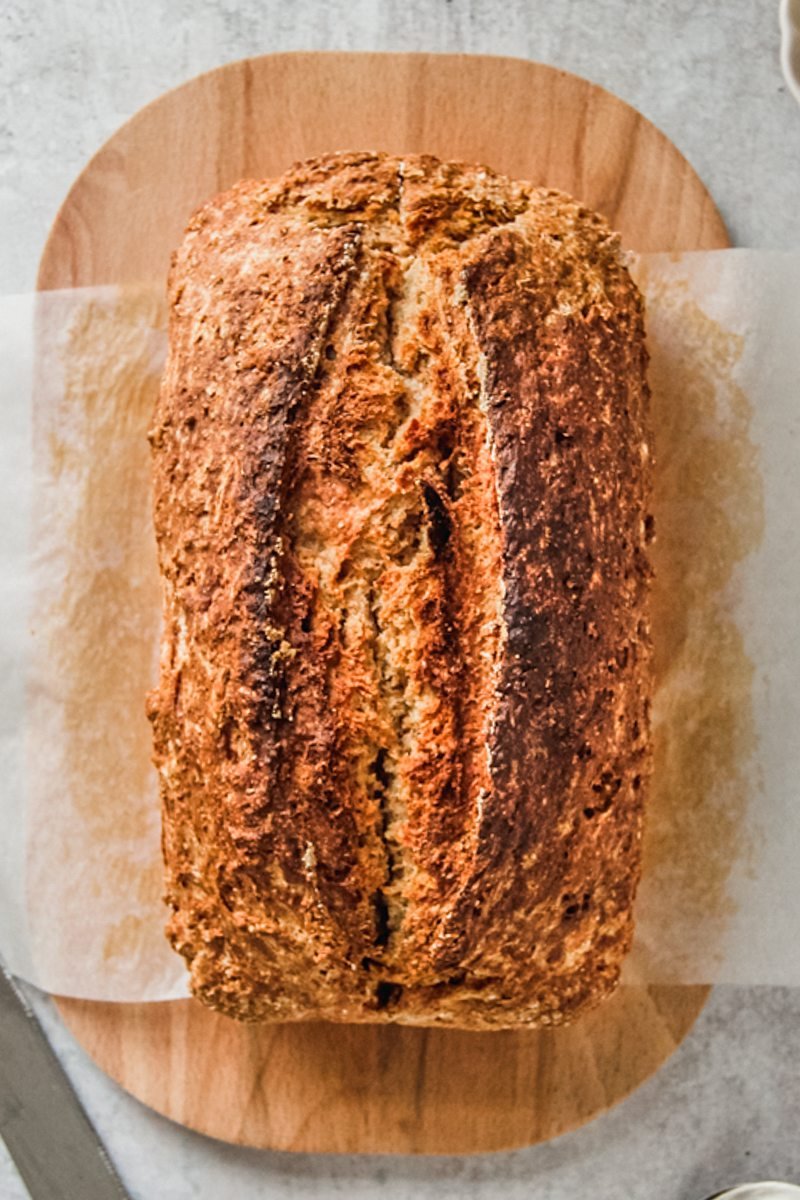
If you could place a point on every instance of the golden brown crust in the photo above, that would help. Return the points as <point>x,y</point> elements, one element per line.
<point>401,501</point>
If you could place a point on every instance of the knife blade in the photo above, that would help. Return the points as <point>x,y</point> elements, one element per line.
<point>49,1136</point>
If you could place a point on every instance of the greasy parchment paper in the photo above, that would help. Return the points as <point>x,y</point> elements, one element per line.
<point>80,908</point>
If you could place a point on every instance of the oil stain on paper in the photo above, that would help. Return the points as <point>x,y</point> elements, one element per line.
<point>95,623</point>
<point>709,511</point>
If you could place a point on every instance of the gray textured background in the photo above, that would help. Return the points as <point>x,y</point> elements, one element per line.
<point>726,1107</point>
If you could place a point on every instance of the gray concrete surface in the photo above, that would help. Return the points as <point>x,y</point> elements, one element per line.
<point>726,1107</point>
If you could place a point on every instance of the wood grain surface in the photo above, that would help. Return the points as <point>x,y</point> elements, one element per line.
<point>127,210</point>
<point>333,1088</point>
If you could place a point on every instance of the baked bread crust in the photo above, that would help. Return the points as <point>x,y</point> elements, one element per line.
<point>402,494</point>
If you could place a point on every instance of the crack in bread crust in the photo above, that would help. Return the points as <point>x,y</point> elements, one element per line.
<point>401,500</point>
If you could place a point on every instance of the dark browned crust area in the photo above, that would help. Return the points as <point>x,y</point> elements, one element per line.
<point>401,502</point>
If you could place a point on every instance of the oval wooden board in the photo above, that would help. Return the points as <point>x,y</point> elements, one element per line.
<point>360,1088</point>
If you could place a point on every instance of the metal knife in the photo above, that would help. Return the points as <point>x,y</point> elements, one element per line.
<point>48,1134</point>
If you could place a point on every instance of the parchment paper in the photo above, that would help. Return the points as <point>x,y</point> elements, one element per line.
<point>80,909</point>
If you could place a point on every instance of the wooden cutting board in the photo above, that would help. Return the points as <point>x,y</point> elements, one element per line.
<point>319,1087</point>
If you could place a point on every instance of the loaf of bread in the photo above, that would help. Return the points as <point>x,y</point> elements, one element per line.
<point>402,505</point>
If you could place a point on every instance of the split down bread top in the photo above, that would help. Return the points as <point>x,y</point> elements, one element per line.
<point>402,490</point>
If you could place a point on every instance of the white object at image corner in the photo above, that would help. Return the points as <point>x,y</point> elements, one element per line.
<point>790,45</point>
<point>768,1190</point>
